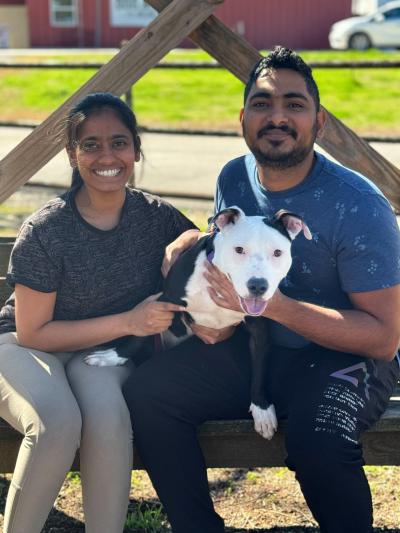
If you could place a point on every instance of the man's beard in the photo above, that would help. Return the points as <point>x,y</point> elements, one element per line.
<point>276,159</point>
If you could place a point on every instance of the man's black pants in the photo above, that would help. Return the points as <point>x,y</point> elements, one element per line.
<point>327,398</point>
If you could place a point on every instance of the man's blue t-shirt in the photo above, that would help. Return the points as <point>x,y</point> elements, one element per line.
<point>355,244</point>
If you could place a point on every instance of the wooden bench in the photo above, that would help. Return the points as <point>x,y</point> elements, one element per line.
<point>229,443</point>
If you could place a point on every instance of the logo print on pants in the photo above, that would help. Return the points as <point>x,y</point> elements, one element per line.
<point>344,374</point>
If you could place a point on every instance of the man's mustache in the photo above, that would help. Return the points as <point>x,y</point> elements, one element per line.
<point>285,129</point>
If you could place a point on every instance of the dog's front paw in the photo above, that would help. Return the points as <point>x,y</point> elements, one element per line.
<point>265,421</point>
<point>105,358</point>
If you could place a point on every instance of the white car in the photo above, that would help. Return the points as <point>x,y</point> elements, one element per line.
<point>380,29</point>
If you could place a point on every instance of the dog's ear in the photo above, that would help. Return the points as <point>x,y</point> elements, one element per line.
<point>230,215</point>
<point>294,224</point>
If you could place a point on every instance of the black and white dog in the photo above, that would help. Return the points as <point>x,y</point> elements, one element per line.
<point>255,255</point>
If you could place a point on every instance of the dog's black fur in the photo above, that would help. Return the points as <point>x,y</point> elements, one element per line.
<point>139,349</point>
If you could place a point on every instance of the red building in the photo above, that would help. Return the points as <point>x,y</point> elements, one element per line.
<point>300,24</point>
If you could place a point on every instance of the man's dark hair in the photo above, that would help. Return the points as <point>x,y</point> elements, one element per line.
<point>279,58</point>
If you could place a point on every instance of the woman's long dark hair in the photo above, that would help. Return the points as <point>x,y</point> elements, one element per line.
<point>85,108</point>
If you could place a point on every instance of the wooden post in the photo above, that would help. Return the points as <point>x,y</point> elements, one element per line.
<point>142,52</point>
<point>129,97</point>
<point>129,92</point>
<point>239,57</point>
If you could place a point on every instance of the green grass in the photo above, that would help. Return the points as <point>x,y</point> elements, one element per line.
<point>182,54</point>
<point>366,100</point>
<point>146,519</point>
<point>74,477</point>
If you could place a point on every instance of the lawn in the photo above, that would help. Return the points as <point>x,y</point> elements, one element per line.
<point>259,500</point>
<point>367,100</point>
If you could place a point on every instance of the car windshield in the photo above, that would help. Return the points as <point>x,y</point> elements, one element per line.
<point>392,13</point>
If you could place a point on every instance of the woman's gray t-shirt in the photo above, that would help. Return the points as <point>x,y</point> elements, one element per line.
<point>94,272</point>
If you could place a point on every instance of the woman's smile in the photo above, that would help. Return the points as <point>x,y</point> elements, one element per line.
<point>110,173</point>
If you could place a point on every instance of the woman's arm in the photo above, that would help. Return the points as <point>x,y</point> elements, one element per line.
<point>36,328</point>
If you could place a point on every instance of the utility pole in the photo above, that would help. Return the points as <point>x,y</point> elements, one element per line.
<point>97,34</point>
<point>81,36</point>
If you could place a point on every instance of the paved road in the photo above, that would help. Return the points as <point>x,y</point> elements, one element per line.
<point>183,163</point>
<point>173,163</point>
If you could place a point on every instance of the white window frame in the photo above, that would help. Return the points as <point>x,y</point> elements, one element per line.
<point>73,9</point>
<point>123,13</point>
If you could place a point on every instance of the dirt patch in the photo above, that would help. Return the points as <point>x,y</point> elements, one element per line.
<point>257,500</point>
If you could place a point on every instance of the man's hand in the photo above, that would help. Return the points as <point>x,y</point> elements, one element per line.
<point>211,335</point>
<point>176,247</point>
<point>221,290</point>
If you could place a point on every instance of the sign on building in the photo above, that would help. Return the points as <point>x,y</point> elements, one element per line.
<point>131,13</point>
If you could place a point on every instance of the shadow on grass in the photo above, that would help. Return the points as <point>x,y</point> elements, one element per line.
<point>57,522</point>
<point>299,529</point>
<point>290,529</point>
<point>221,485</point>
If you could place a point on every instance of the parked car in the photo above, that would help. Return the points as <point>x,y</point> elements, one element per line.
<point>380,29</point>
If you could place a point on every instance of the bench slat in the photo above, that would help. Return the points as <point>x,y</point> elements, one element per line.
<point>237,448</point>
<point>6,245</point>
<point>5,290</point>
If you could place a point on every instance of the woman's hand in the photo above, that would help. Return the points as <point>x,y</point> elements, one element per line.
<point>221,290</point>
<point>151,317</point>
<point>211,335</point>
<point>176,247</point>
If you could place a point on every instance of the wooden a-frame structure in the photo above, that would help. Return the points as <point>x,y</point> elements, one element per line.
<point>179,19</point>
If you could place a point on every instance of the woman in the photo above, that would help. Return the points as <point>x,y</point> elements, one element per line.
<point>85,269</point>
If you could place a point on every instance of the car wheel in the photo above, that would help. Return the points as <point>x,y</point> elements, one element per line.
<point>359,41</point>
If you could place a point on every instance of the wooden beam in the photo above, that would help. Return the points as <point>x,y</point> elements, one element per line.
<point>345,146</point>
<point>239,57</point>
<point>139,55</point>
<point>232,51</point>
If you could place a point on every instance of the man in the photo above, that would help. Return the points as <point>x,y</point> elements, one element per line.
<point>334,324</point>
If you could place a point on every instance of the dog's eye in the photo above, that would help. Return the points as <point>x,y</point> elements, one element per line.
<point>239,250</point>
<point>277,253</point>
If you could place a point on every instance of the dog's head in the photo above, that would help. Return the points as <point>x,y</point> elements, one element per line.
<point>254,253</point>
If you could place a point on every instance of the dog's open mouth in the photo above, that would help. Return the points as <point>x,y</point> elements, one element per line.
<point>253,306</point>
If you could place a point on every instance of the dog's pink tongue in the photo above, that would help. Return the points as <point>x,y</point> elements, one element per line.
<point>253,306</point>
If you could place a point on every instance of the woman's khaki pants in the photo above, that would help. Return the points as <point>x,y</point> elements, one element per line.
<point>60,404</point>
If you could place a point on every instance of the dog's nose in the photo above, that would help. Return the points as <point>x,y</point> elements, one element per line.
<point>257,286</point>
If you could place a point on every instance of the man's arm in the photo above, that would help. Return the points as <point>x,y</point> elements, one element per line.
<point>371,329</point>
<point>176,247</point>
